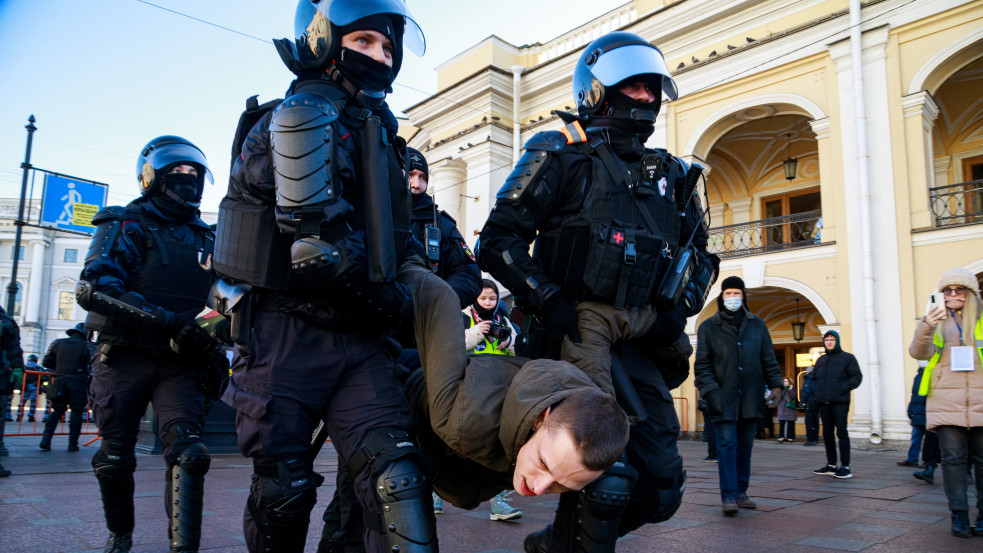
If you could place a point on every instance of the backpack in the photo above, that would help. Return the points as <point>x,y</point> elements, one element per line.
<point>254,112</point>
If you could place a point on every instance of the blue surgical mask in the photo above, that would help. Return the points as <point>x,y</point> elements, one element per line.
<point>733,304</point>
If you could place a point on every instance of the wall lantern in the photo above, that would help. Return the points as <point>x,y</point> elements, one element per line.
<point>791,164</point>
<point>798,327</point>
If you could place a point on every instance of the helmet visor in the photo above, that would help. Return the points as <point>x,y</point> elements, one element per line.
<point>634,60</point>
<point>179,154</point>
<point>344,12</point>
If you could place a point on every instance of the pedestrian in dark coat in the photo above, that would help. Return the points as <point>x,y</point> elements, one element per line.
<point>836,374</point>
<point>929,441</point>
<point>787,413</point>
<point>734,361</point>
<point>812,410</point>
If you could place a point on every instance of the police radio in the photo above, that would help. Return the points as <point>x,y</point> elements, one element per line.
<point>432,237</point>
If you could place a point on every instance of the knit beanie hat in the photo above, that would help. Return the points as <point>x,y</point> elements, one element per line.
<point>731,283</point>
<point>957,276</point>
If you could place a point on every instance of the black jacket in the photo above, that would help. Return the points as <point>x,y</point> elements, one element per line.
<point>69,356</point>
<point>457,265</point>
<point>836,373</point>
<point>733,367</point>
<point>916,407</point>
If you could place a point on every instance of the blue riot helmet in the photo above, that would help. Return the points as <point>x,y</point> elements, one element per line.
<point>162,154</point>
<point>320,24</point>
<point>79,328</point>
<point>616,59</point>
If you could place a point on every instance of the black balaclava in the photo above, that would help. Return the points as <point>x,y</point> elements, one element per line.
<point>180,196</point>
<point>363,71</point>
<point>628,123</point>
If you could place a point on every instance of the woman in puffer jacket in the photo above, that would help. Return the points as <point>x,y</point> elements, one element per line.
<point>951,339</point>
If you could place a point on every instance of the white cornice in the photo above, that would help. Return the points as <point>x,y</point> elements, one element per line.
<point>945,235</point>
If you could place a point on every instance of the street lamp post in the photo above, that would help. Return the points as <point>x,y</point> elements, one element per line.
<point>19,223</point>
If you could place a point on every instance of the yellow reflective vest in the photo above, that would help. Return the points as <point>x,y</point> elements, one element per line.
<point>939,343</point>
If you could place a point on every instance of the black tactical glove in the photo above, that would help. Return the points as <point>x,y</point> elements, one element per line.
<point>192,340</point>
<point>560,319</point>
<point>213,373</point>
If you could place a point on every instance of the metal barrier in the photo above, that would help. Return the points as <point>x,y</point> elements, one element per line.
<point>684,425</point>
<point>19,403</point>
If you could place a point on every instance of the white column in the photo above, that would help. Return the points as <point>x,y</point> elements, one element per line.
<point>741,210</point>
<point>32,305</point>
<point>447,182</point>
<point>892,396</point>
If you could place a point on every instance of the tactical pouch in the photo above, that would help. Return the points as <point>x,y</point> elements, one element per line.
<point>248,247</point>
<point>622,264</point>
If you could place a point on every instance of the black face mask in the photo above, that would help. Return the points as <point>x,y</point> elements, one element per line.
<point>364,72</point>
<point>185,186</point>
<point>485,314</point>
<point>180,196</point>
<point>629,123</point>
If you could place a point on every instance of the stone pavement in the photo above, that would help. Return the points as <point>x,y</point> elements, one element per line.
<point>51,505</point>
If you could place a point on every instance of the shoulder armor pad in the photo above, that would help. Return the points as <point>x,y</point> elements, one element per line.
<point>108,213</point>
<point>301,144</point>
<point>549,141</point>
<point>108,223</point>
<point>527,170</point>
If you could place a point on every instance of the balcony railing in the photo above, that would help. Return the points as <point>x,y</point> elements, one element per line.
<point>766,235</point>
<point>958,204</point>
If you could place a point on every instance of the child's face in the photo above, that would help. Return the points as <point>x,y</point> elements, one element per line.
<point>488,299</point>
<point>550,463</point>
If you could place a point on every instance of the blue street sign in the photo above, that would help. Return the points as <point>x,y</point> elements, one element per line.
<point>70,203</point>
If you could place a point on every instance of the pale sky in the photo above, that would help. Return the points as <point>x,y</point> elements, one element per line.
<point>103,77</point>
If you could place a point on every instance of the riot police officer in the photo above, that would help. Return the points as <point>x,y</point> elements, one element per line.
<point>69,358</point>
<point>310,235</point>
<point>449,258</point>
<point>146,277</point>
<point>617,223</point>
<point>447,252</point>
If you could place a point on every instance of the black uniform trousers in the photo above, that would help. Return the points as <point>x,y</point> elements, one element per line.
<point>69,391</point>
<point>123,385</point>
<point>652,443</point>
<point>812,421</point>
<point>298,374</point>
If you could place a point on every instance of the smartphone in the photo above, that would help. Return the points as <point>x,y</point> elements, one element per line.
<point>934,300</point>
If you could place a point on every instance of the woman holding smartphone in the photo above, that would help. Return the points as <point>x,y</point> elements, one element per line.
<point>950,337</point>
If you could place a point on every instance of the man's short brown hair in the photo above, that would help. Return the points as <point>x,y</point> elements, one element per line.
<point>597,423</point>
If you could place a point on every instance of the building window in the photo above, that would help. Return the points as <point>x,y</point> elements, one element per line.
<point>801,201</point>
<point>71,255</point>
<point>20,253</point>
<point>66,305</point>
<point>18,297</point>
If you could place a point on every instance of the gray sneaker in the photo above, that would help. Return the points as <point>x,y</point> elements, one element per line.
<point>500,508</point>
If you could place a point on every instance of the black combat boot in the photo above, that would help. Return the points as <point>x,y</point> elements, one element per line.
<point>119,543</point>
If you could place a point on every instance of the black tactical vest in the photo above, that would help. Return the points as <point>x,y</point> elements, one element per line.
<point>174,276</point>
<point>73,356</point>
<point>607,250</point>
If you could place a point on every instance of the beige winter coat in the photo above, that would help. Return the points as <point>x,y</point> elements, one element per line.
<point>954,398</point>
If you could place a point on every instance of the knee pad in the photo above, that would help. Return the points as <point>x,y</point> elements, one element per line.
<point>607,497</point>
<point>656,498</point>
<point>114,460</point>
<point>185,449</point>
<point>399,474</point>
<point>288,491</point>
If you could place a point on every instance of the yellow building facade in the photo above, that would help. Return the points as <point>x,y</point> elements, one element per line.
<point>843,147</point>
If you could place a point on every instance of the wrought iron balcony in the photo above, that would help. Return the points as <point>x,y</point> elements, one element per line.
<point>767,235</point>
<point>958,204</point>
